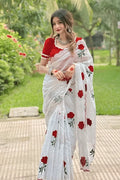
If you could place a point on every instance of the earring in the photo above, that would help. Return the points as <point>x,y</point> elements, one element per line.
<point>69,30</point>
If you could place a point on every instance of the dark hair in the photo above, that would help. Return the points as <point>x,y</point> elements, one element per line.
<point>67,19</point>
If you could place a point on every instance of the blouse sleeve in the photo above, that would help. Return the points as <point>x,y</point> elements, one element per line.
<point>47,48</point>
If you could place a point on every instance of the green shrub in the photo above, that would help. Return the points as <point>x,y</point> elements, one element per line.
<point>20,58</point>
<point>6,78</point>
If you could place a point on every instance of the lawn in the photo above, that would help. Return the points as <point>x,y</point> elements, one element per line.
<point>106,87</point>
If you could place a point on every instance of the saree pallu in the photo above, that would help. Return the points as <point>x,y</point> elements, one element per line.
<point>70,115</point>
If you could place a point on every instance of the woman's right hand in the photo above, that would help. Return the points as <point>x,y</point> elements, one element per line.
<point>58,74</point>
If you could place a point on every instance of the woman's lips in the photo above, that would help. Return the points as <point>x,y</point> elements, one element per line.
<point>58,30</point>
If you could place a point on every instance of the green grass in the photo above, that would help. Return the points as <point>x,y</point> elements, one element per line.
<point>107,90</point>
<point>25,95</point>
<point>106,87</point>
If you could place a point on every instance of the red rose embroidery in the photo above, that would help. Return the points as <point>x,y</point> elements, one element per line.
<point>80,93</point>
<point>91,68</point>
<point>85,87</point>
<point>54,133</point>
<point>89,122</point>
<point>70,89</point>
<point>83,161</point>
<point>64,163</point>
<point>81,46</point>
<point>44,159</point>
<point>81,125</point>
<point>82,74</point>
<point>70,115</point>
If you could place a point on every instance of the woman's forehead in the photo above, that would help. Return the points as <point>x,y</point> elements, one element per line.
<point>56,19</point>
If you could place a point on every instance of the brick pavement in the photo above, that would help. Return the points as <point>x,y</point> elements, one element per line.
<point>21,141</point>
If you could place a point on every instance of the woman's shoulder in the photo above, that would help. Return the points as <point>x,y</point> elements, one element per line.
<point>49,40</point>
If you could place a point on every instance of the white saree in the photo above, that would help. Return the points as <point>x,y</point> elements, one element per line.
<point>70,115</point>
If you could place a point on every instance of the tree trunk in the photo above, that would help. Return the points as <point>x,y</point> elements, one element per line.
<point>110,50</point>
<point>117,52</point>
<point>91,45</point>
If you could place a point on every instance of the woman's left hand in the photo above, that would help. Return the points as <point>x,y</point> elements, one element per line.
<point>69,72</point>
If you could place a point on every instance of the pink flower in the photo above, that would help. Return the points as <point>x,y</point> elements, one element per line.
<point>20,45</point>
<point>15,40</point>
<point>70,115</point>
<point>81,125</point>
<point>80,94</point>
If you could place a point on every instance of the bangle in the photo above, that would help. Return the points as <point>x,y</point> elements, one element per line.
<point>50,71</point>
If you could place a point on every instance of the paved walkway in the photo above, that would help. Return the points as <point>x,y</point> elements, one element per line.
<point>21,141</point>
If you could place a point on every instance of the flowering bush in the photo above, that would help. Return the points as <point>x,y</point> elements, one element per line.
<point>16,57</point>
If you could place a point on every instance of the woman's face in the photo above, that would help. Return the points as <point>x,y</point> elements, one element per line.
<point>58,26</point>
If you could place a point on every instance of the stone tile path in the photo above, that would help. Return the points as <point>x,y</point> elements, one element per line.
<point>21,141</point>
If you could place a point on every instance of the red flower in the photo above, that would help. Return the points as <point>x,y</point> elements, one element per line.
<point>83,161</point>
<point>54,133</point>
<point>70,115</point>
<point>89,122</point>
<point>64,163</point>
<point>81,125</point>
<point>23,54</point>
<point>9,36</point>
<point>70,89</point>
<point>81,46</point>
<point>82,74</point>
<point>44,159</point>
<point>20,45</point>
<point>20,53</point>
<point>91,68</point>
<point>85,87</point>
<point>80,93</point>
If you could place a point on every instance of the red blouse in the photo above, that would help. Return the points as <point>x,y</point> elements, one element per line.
<point>49,49</point>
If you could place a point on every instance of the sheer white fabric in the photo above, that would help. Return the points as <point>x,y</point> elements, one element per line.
<point>70,114</point>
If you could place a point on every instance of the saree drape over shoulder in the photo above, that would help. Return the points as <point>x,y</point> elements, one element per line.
<point>70,115</point>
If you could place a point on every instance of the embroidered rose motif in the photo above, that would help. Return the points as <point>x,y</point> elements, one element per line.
<point>44,159</point>
<point>70,89</point>
<point>85,87</point>
<point>89,122</point>
<point>80,93</point>
<point>71,122</point>
<point>81,124</point>
<point>91,68</point>
<point>82,74</point>
<point>54,134</point>
<point>81,46</point>
<point>64,164</point>
<point>70,115</point>
<point>83,161</point>
<point>44,164</point>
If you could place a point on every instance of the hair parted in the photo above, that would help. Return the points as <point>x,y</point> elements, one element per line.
<point>66,17</point>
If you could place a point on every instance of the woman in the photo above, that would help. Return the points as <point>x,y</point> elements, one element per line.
<point>69,104</point>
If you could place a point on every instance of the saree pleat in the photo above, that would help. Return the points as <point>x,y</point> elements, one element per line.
<point>69,109</point>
